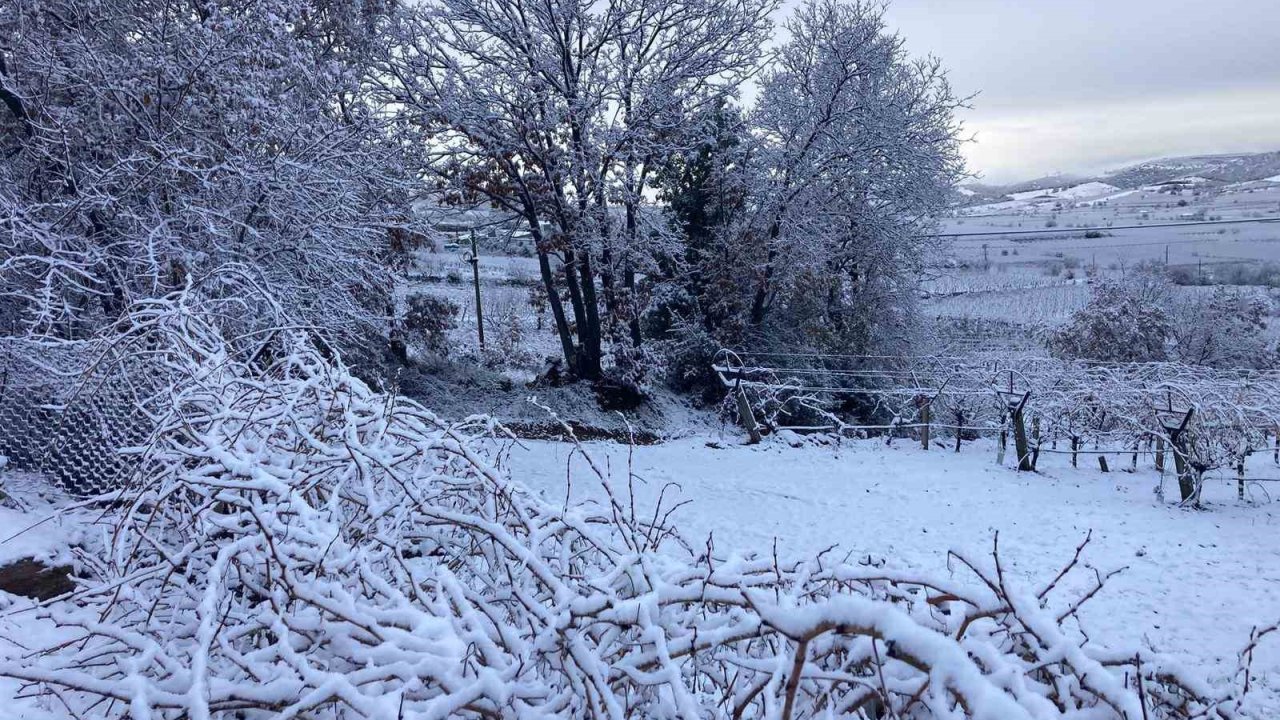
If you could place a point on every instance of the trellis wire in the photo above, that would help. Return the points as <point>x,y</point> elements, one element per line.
<point>1237,408</point>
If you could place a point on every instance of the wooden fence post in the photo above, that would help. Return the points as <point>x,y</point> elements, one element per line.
<point>747,417</point>
<point>1035,435</point>
<point>1181,457</point>
<point>959,428</point>
<point>1186,484</point>
<point>1020,435</point>
<point>924,431</point>
<point>1240,480</point>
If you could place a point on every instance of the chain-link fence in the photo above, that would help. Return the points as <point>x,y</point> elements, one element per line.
<point>67,410</point>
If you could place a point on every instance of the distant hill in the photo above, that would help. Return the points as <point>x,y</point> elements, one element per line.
<point>1197,169</point>
<point>1219,168</point>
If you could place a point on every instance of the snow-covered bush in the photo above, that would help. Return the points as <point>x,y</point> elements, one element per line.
<point>1141,318</point>
<point>428,320</point>
<point>1225,328</point>
<point>296,545</point>
<point>1121,323</point>
<point>147,145</point>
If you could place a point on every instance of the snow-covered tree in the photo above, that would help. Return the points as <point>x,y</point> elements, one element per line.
<point>850,149</point>
<point>559,113</point>
<point>1144,318</point>
<point>150,145</point>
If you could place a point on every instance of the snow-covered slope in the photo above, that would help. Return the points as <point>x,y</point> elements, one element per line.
<point>1083,191</point>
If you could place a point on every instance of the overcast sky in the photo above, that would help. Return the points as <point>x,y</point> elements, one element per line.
<point>1087,85</point>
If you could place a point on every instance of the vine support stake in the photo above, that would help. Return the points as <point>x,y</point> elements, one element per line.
<point>747,417</point>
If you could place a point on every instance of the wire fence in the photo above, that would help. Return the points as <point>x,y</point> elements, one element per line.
<point>71,410</point>
<point>1216,418</point>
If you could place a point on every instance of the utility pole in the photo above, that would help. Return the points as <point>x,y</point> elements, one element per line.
<point>473,257</point>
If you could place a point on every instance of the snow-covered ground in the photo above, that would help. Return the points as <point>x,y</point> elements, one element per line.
<point>1197,581</point>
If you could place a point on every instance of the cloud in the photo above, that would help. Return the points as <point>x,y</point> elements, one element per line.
<point>1080,85</point>
<point>1097,137</point>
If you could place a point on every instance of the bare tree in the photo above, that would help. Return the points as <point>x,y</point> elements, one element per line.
<point>557,112</point>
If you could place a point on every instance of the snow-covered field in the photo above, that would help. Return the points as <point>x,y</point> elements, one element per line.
<point>1087,206</point>
<point>1196,582</point>
<point>1037,278</point>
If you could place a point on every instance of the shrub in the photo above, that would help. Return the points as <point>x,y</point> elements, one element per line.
<point>428,320</point>
<point>1120,324</point>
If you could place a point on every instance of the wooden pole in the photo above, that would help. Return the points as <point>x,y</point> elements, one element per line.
<point>1160,454</point>
<point>1240,480</point>
<point>475,275</point>
<point>1035,435</point>
<point>1186,484</point>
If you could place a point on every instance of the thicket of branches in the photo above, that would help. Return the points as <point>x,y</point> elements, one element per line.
<point>231,146</point>
<point>297,545</point>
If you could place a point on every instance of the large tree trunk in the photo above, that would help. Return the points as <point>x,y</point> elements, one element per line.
<point>590,333</point>
<point>760,304</point>
<point>553,294</point>
<point>628,274</point>
<point>633,322</point>
<point>587,367</point>
<point>557,310</point>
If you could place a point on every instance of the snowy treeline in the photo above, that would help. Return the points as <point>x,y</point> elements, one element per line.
<point>278,144</point>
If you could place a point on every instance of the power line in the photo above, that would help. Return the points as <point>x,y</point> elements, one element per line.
<point>1072,231</point>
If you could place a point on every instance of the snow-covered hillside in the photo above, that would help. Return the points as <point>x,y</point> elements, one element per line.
<point>1083,191</point>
